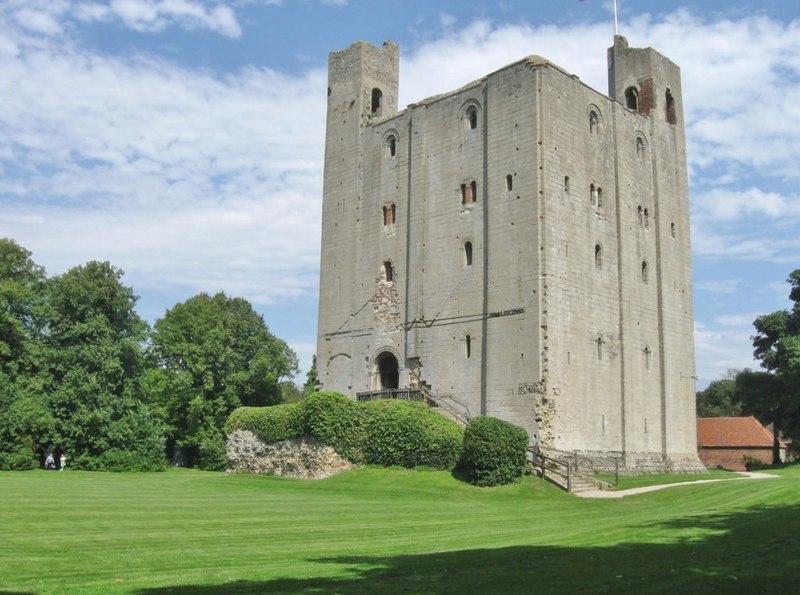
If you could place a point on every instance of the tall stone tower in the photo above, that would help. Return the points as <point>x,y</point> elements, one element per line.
<point>519,248</point>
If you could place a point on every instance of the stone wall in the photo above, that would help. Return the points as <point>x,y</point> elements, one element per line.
<point>303,458</point>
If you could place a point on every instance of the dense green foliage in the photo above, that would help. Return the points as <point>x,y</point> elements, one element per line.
<point>410,435</point>
<point>774,397</point>
<point>92,373</point>
<point>213,354</point>
<point>336,421</point>
<point>379,432</point>
<point>719,398</point>
<point>495,451</point>
<point>75,376</point>
<point>269,424</point>
<point>376,530</point>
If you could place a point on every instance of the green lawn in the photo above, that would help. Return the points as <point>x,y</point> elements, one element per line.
<point>389,531</point>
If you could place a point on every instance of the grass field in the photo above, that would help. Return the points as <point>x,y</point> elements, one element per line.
<point>388,531</point>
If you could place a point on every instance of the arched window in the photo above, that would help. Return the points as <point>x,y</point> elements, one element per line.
<point>472,117</point>
<point>594,120</point>
<point>392,144</point>
<point>632,98</point>
<point>598,256</point>
<point>670,106</point>
<point>639,146</point>
<point>377,99</point>
<point>644,271</point>
<point>388,271</point>
<point>467,253</point>
<point>596,195</point>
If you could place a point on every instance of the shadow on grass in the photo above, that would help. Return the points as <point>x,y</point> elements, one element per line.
<point>744,552</point>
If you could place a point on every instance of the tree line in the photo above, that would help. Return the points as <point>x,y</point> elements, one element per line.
<point>771,395</point>
<point>82,374</point>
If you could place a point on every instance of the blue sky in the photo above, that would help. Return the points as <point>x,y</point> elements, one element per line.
<point>182,140</point>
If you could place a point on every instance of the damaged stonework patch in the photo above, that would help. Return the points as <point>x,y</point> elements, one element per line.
<point>386,305</point>
<point>545,418</point>
<point>303,458</point>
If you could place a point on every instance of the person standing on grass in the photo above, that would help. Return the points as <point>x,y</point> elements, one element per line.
<point>63,461</point>
<point>49,462</point>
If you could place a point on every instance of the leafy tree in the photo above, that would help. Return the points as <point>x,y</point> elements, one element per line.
<point>94,361</point>
<point>776,393</point>
<point>719,398</point>
<point>25,423</point>
<point>214,354</point>
<point>310,385</point>
<point>290,393</point>
<point>21,293</point>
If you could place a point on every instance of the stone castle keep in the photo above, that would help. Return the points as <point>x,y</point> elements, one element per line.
<point>517,248</point>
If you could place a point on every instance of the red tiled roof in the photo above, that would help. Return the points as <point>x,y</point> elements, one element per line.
<point>732,432</point>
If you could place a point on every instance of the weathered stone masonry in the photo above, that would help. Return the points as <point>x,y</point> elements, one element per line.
<point>520,246</point>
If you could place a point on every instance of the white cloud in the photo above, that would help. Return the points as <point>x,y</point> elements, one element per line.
<point>722,348</point>
<point>726,287</point>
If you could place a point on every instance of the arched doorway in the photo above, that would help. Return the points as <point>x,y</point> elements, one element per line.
<point>388,370</point>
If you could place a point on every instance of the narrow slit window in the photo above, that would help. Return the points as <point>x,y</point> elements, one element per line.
<point>468,253</point>
<point>598,256</point>
<point>593,121</point>
<point>599,198</point>
<point>468,193</point>
<point>388,271</point>
<point>647,354</point>
<point>632,98</point>
<point>672,229</point>
<point>468,346</point>
<point>472,118</point>
<point>377,99</point>
<point>670,107</point>
<point>646,218</point>
<point>566,184</point>
<point>392,146</point>
<point>599,342</point>
<point>640,216</point>
<point>644,271</point>
<point>639,146</point>
<point>389,212</point>
<point>509,182</point>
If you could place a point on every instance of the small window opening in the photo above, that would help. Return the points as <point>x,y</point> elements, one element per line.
<point>647,354</point>
<point>672,229</point>
<point>468,193</point>
<point>671,118</point>
<point>468,346</point>
<point>596,194</point>
<point>639,146</point>
<point>377,99</point>
<point>392,146</point>
<point>646,218</point>
<point>468,253</point>
<point>389,212</point>
<point>598,256</point>
<point>640,215</point>
<point>632,98</point>
<point>599,197</point>
<point>509,182</point>
<point>593,121</point>
<point>599,342</point>
<point>566,184</point>
<point>644,271</point>
<point>388,271</point>
<point>472,118</point>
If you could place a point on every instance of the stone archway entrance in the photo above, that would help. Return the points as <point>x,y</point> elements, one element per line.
<point>388,371</point>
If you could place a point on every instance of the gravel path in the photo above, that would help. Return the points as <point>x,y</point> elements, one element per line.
<point>664,486</point>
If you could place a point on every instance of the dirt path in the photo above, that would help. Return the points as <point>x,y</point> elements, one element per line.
<point>664,486</point>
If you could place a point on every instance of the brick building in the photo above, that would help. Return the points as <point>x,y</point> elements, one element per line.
<point>730,442</point>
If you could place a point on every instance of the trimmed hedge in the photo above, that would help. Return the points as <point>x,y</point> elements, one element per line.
<point>270,424</point>
<point>336,421</point>
<point>495,451</point>
<point>410,435</point>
